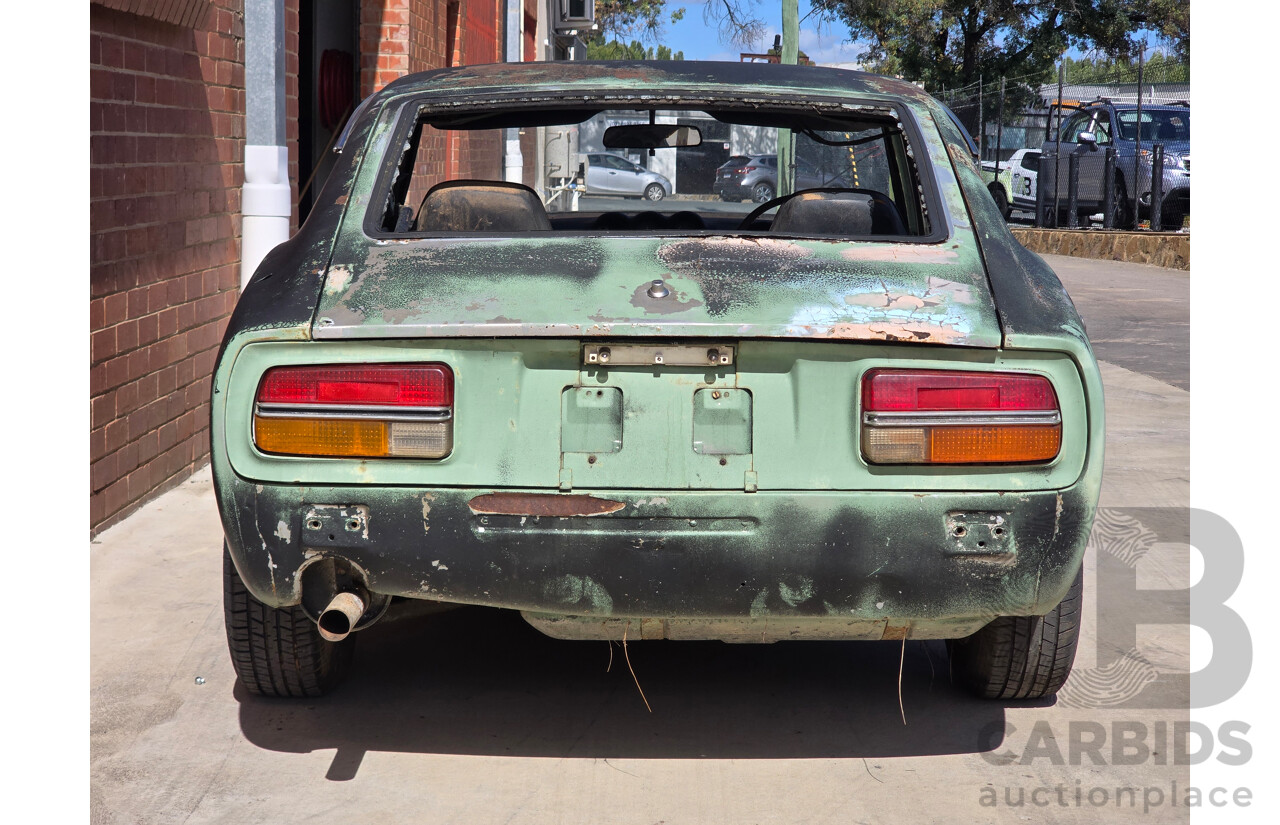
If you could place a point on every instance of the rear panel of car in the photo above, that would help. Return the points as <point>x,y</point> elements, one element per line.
<point>784,415</point>
<point>747,476</point>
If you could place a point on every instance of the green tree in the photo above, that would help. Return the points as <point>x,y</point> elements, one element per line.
<point>616,50</point>
<point>646,20</point>
<point>1159,68</point>
<point>951,43</point>
<point>635,20</point>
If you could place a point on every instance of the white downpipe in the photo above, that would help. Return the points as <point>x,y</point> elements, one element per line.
<point>266,202</point>
<point>513,161</point>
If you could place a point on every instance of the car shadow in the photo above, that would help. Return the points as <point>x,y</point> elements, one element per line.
<point>482,682</point>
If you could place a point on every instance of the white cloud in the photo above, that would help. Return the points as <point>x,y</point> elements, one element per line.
<point>829,46</point>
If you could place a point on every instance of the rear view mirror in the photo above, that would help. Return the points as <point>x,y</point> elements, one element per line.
<point>1087,137</point>
<point>651,136</point>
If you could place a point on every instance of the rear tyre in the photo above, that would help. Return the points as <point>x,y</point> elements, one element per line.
<point>1021,657</point>
<point>278,651</point>
<point>1002,201</point>
<point>654,192</point>
<point>1121,207</point>
<point>762,193</point>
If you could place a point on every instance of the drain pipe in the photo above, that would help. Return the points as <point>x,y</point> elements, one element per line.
<point>513,164</point>
<point>266,201</point>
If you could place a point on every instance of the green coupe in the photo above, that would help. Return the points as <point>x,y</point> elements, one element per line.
<point>861,411</point>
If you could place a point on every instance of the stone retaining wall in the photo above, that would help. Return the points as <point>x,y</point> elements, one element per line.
<point>1168,249</point>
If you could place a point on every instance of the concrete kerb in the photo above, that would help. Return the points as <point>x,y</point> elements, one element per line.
<point>1167,249</point>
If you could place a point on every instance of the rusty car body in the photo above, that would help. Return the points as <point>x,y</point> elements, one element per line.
<point>657,424</point>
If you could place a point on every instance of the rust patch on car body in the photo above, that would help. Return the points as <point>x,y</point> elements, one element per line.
<point>552,505</point>
<point>894,632</point>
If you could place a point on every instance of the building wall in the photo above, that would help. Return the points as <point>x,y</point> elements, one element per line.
<point>166,147</point>
<point>167,104</point>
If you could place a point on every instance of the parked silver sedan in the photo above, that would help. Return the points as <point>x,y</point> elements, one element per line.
<point>610,174</point>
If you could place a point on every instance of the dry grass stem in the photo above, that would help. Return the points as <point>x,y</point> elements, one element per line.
<point>902,658</point>
<point>627,656</point>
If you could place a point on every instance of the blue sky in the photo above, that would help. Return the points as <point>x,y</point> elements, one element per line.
<point>825,43</point>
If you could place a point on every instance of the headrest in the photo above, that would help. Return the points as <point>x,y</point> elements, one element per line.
<point>847,212</point>
<point>482,206</point>
<point>825,213</point>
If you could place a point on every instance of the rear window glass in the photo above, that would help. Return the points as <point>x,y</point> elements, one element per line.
<point>1030,161</point>
<point>856,177</point>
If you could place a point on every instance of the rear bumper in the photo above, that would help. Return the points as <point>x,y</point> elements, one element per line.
<point>855,565</point>
<point>730,190</point>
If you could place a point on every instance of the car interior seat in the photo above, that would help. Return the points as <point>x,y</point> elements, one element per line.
<point>482,206</point>
<point>839,212</point>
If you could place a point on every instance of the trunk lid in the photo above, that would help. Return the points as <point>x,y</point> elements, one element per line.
<point>719,287</point>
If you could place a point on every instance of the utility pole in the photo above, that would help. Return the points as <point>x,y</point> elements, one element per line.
<point>790,56</point>
<point>1137,155</point>
<point>982,126</point>
<point>1000,130</point>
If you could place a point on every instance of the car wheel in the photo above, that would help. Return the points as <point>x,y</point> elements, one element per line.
<point>761,193</point>
<point>278,651</point>
<point>654,192</point>
<point>1002,201</point>
<point>1121,207</point>
<point>1021,657</point>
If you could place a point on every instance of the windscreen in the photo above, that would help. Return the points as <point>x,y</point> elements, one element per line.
<point>850,178</point>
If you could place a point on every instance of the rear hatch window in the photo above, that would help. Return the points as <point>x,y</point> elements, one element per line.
<point>463,173</point>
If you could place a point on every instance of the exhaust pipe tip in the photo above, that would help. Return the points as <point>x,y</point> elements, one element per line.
<point>340,616</point>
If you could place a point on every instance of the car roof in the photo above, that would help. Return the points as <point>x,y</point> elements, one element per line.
<point>1129,107</point>
<point>717,78</point>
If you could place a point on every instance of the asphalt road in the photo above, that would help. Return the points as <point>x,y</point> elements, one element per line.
<point>472,716</point>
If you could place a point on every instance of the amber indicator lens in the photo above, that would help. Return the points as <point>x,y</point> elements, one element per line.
<point>320,437</point>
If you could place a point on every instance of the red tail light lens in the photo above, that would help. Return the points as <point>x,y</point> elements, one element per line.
<point>901,390</point>
<point>356,411</point>
<point>946,417</point>
<point>389,385</point>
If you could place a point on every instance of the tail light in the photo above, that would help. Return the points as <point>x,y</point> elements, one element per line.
<point>356,411</point>
<point>944,417</point>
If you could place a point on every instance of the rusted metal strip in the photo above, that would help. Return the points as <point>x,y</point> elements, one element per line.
<point>542,504</point>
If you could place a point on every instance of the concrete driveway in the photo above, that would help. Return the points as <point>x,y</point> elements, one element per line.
<point>472,716</point>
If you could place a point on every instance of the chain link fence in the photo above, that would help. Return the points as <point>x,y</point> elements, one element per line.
<point>1097,144</point>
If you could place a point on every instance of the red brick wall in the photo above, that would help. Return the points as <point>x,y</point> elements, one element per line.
<point>166,154</point>
<point>166,146</point>
<point>398,37</point>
